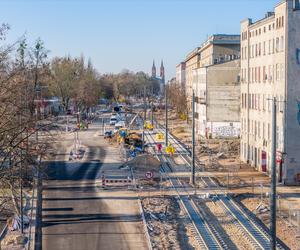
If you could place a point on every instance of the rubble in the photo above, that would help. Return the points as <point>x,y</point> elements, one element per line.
<point>13,239</point>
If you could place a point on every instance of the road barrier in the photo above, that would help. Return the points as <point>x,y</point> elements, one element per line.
<point>116,181</point>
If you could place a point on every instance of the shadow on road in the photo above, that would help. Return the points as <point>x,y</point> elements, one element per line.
<point>78,218</point>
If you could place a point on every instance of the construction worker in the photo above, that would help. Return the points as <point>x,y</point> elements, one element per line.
<point>159,147</point>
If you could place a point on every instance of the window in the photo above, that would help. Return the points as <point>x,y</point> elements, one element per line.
<point>277,44</point>
<point>242,101</point>
<point>264,102</point>
<point>281,43</point>
<point>256,50</point>
<point>279,22</point>
<point>270,73</point>
<point>296,4</point>
<point>269,47</point>
<point>264,48</point>
<point>273,46</point>
<point>264,74</point>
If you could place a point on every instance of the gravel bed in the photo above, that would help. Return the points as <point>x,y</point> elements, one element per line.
<point>288,234</point>
<point>168,225</point>
<point>230,233</point>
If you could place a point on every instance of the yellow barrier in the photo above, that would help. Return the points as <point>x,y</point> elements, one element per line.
<point>148,125</point>
<point>170,149</point>
<point>160,136</point>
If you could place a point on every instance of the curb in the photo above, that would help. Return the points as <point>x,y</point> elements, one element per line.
<point>145,224</point>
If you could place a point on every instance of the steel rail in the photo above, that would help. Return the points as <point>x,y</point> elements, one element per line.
<point>206,235</point>
<point>252,231</point>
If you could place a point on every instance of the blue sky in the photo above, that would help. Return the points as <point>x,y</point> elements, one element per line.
<point>127,34</point>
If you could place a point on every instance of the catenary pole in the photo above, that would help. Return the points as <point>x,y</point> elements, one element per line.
<point>273,178</point>
<point>193,141</point>
<point>166,115</point>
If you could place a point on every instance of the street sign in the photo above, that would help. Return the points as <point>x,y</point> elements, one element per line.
<point>149,175</point>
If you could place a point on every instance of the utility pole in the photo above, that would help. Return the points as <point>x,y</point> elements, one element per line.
<point>166,115</point>
<point>152,115</point>
<point>21,175</point>
<point>38,225</point>
<point>193,141</point>
<point>273,176</point>
<point>145,108</point>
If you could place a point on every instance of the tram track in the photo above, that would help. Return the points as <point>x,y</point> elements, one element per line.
<point>256,236</point>
<point>204,233</point>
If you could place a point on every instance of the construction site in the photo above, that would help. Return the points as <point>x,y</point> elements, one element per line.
<point>227,208</point>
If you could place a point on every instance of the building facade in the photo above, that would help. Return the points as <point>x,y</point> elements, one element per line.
<point>217,87</point>
<point>192,62</point>
<point>180,75</point>
<point>219,48</point>
<point>217,97</point>
<point>270,67</point>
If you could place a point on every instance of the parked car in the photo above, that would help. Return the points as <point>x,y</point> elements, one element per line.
<point>113,120</point>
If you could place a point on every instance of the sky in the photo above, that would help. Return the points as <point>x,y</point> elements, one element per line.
<point>127,34</point>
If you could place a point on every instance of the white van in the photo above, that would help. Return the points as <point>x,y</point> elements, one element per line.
<point>113,120</point>
<point>118,125</point>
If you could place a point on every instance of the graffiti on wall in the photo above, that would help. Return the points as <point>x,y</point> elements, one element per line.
<point>298,56</point>
<point>298,114</point>
<point>226,131</point>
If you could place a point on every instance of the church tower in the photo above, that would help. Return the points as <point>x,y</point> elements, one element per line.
<point>162,72</point>
<point>153,70</point>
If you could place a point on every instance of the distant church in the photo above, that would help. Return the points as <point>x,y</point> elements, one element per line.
<point>161,78</point>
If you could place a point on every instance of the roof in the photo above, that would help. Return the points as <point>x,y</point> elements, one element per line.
<point>221,39</point>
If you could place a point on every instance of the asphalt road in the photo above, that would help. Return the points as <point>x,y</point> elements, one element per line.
<point>77,213</point>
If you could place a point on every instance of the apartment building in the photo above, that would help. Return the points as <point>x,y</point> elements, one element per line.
<point>217,87</point>
<point>180,75</point>
<point>219,48</point>
<point>217,97</point>
<point>191,62</point>
<point>270,67</point>
<point>216,49</point>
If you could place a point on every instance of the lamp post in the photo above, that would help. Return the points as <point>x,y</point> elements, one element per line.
<point>273,176</point>
<point>193,141</point>
<point>166,115</point>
